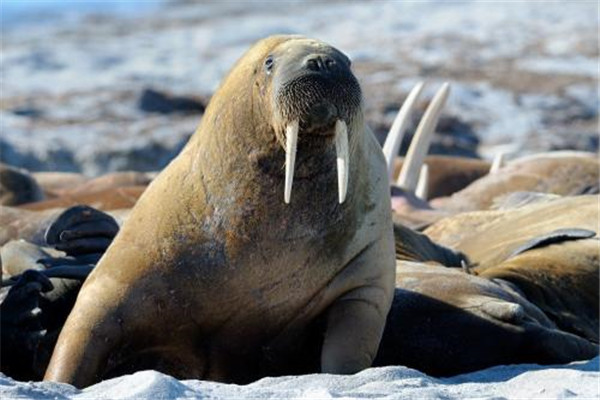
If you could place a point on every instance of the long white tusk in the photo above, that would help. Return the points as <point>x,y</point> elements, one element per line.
<point>291,141</point>
<point>396,133</point>
<point>341,148</point>
<point>497,163</point>
<point>422,186</point>
<point>419,146</point>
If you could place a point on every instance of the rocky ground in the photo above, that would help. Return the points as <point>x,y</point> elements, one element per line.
<point>104,88</point>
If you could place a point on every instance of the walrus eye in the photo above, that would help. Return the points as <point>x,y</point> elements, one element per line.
<point>269,64</point>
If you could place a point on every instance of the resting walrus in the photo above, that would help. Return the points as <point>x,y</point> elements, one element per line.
<point>213,275</point>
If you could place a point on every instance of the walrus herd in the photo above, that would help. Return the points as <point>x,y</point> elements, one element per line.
<point>283,240</point>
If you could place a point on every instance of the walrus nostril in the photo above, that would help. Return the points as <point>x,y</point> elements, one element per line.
<point>320,63</point>
<point>313,64</point>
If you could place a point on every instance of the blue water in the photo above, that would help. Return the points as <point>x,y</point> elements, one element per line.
<point>22,12</point>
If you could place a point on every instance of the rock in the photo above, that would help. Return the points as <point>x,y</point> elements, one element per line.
<point>158,102</point>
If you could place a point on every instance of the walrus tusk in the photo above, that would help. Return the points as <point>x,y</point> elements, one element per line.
<point>291,140</point>
<point>396,133</point>
<point>497,163</point>
<point>419,145</point>
<point>341,148</point>
<point>422,185</point>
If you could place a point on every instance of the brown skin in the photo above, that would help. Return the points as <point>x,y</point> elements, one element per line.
<point>212,249</point>
<point>471,233</point>
<point>562,280</point>
<point>106,199</point>
<point>514,305</point>
<point>546,173</point>
<point>446,322</point>
<point>54,184</point>
<point>23,224</point>
<point>113,180</point>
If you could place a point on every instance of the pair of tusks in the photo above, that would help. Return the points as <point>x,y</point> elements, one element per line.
<point>414,174</point>
<point>341,148</point>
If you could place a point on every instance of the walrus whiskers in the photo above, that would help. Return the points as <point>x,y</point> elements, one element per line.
<point>341,148</point>
<point>291,141</point>
<point>419,146</point>
<point>396,133</point>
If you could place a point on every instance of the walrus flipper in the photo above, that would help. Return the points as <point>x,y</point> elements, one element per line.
<point>414,246</point>
<point>561,280</point>
<point>355,321</point>
<point>82,230</point>
<point>557,236</point>
<point>22,331</point>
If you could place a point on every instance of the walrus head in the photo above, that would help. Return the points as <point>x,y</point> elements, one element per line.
<point>294,107</point>
<point>314,96</point>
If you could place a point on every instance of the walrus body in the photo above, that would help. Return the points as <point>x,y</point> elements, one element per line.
<point>445,322</point>
<point>213,276</point>
<point>567,174</point>
<point>490,237</point>
<point>114,198</point>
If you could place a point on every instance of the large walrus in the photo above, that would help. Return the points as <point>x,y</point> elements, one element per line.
<point>221,268</point>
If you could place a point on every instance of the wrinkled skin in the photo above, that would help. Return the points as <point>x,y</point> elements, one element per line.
<point>556,173</point>
<point>212,249</point>
<point>446,322</point>
<point>530,294</point>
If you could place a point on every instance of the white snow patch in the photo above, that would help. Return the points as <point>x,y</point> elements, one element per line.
<point>575,380</point>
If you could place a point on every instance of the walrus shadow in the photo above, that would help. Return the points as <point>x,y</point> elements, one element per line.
<point>445,341</point>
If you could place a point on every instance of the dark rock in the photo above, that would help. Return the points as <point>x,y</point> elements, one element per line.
<point>30,112</point>
<point>158,102</point>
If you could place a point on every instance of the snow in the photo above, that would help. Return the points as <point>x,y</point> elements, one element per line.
<point>576,380</point>
<point>83,67</point>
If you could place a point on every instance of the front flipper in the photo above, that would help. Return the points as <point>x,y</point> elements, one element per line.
<point>356,319</point>
<point>354,327</point>
<point>82,230</point>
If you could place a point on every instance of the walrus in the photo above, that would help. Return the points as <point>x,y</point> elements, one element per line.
<point>490,237</point>
<point>221,267</point>
<point>17,186</point>
<point>519,286</point>
<point>446,322</point>
<point>538,306</point>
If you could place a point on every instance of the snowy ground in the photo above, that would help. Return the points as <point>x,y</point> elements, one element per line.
<point>577,380</point>
<point>524,74</point>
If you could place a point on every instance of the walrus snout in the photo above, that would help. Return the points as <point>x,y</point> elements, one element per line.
<point>315,93</point>
<point>322,63</point>
<point>320,119</point>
